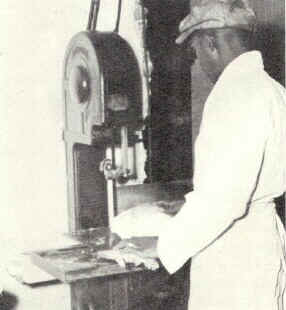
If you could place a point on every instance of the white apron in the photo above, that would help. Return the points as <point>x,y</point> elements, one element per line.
<point>228,224</point>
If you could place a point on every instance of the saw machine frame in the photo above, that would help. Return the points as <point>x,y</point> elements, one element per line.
<point>103,111</point>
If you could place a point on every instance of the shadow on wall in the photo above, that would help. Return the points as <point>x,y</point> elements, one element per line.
<point>8,301</point>
<point>271,42</point>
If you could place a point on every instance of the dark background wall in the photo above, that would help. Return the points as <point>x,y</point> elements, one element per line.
<point>170,152</point>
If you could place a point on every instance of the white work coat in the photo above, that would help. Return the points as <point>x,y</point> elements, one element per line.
<point>228,224</point>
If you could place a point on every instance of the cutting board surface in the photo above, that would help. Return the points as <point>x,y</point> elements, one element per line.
<point>80,262</point>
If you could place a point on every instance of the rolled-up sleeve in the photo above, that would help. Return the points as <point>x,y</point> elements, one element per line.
<point>228,158</point>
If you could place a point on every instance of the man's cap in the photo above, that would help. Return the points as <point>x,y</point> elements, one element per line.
<point>210,14</point>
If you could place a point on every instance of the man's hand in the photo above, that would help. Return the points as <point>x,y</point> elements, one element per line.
<point>123,258</point>
<point>134,251</point>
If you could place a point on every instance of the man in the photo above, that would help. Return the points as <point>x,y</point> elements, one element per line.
<point>228,225</point>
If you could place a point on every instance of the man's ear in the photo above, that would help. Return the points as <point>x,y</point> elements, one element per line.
<point>211,43</point>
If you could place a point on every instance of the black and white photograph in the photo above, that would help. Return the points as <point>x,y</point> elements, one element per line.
<point>142,155</point>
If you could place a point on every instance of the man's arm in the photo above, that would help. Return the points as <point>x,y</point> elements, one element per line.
<point>229,155</point>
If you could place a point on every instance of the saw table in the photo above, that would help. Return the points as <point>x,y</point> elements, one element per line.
<point>101,284</point>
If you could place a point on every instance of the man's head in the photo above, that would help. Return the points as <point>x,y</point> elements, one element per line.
<point>219,31</point>
<point>216,48</point>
